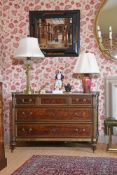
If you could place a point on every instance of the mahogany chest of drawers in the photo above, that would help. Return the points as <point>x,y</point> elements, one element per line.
<point>55,117</point>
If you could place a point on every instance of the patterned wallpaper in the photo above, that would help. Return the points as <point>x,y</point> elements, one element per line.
<point>1,29</point>
<point>15,25</point>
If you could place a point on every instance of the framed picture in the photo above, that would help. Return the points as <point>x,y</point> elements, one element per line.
<point>58,32</point>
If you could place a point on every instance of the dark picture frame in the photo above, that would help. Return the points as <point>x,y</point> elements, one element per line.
<point>58,31</point>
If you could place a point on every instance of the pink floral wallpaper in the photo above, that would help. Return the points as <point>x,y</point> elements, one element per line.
<point>15,25</point>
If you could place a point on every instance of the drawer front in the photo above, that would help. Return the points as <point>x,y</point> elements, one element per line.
<point>53,114</point>
<point>54,130</point>
<point>25,100</point>
<point>81,114</point>
<point>54,100</point>
<point>81,99</point>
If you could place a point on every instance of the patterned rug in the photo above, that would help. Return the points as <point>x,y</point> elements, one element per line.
<point>68,165</point>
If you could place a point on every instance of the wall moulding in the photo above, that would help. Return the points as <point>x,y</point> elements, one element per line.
<point>110,96</point>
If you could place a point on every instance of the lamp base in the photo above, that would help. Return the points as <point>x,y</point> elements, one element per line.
<point>28,72</point>
<point>86,83</point>
<point>28,91</point>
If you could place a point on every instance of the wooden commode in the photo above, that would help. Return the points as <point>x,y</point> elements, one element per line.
<point>55,117</point>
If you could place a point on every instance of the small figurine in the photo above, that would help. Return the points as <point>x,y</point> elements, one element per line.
<point>68,87</point>
<point>59,80</point>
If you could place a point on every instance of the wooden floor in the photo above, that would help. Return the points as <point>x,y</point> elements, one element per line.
<point>16,158</point>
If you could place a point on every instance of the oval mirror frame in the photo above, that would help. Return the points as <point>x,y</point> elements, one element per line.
<point>104,37</point>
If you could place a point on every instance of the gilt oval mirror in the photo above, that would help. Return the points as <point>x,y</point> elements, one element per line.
<point>106,28</point>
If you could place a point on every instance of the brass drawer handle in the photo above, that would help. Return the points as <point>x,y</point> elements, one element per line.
<point>23,129</point>
<point>23,113</point>
<point>26,100</point>
<point>84,100</point>
<point>84,130</point>
<point>23,100</point>
<point>30,113</point>
<point>76,129</point>
<point>76,114</point>
<point>30,129</point>
<point>77,99</point>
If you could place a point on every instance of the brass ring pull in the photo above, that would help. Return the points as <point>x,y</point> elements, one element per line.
<point>23,129</point>
<point>30,129</point>
<point>84,129</point>
<point>76,129</point>
<point>23,113</point>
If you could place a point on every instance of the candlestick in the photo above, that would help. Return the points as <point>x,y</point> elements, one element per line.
<point>110,36</point>
<point>98,27</point>
<point>99,34</point>
<point>110,28</point>
<point>110,32</point>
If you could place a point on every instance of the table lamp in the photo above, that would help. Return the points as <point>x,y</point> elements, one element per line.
<point>28,49</point>
<point>86,66</point>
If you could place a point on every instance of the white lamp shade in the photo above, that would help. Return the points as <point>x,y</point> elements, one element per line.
<point>29,47</point>
<point>86,64</point>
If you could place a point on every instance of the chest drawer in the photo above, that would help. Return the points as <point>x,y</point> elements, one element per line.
<point>54,130</point>
<point>54,100</point>
<point>86,100</point>
<point>51,114</point>
<point>25,100</point>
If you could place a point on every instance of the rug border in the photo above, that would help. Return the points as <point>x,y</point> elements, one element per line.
<point>60,156</point>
